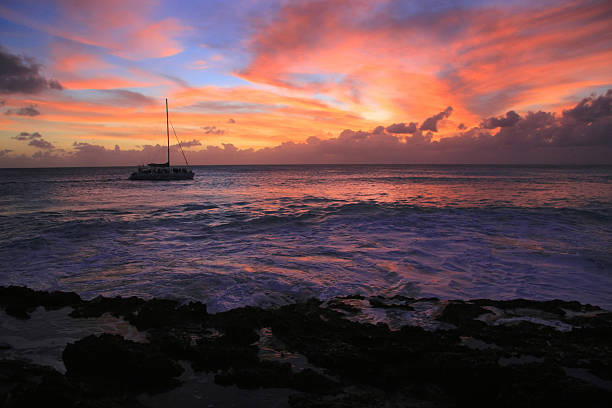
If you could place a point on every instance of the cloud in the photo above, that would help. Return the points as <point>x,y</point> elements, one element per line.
<point>481,58</point>
<point>179,81</point>
<point>199,64</point>
<point>130,30</point>
<point>230,120</point>
<point>461,126</point>
<point>402,128</point>
<point>580,135</point>
<point>432,122</point>
<point>34,139</point>
<point>27,136</point>
<point>510,120</point>
<point>29,110</point>
<point>41,144</point>
<point>20,74</point>
<point>191,143</point>
<point>590,109</point>
<point>122,97</point>
<point>220,106</point>
<point>589,123</point>
<point>4,152</point>
<point>212,130</point>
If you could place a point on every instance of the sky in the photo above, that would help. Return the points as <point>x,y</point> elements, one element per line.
<point>83,83</point>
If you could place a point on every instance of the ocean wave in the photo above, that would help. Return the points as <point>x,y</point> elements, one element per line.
<point>272,234</point>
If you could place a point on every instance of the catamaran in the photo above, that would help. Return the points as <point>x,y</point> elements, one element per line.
<point>163,171</point>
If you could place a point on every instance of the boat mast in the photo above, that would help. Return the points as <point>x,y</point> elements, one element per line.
<point>167,132</point>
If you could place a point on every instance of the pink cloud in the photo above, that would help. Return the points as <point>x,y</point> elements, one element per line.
<point>123,28</point>
<point>481,60</point>
<point>582,134</point>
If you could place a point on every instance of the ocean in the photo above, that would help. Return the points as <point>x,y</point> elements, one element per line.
<point>272,235</point>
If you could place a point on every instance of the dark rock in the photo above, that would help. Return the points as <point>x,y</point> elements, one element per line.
<point>265,374</point>
<point>112,359</point>
<point>144,314</point>
<point>550,306</point>
<point>382,303</point>
<point>117,306</point>
<point>28,385</point>
<point>338,304</point>
<point>358,297</point>
<point>364,365</point>
<point>19,301</point>
<point>462,313</point>
<point>214,354</point>
<point>25,385</point>
<point>309,380</point>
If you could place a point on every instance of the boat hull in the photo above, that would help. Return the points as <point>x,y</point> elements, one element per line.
<point>161,176</point>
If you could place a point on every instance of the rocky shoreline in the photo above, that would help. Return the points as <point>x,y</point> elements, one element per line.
<point>337,353</point>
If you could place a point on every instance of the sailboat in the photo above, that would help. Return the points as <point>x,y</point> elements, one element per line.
<point>163,171</point>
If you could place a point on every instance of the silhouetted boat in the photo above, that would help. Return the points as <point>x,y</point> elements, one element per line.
<point>163,171</point>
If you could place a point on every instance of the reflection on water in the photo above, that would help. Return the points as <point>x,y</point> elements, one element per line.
<point>274,234</point>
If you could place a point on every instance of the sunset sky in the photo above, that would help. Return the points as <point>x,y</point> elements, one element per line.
<point>84,82</point>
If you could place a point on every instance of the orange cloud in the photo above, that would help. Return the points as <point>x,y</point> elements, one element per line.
<point>480,61</point>
<point>101,83</point>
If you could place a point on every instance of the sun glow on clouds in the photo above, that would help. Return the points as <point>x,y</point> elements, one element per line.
<point>287,71</point>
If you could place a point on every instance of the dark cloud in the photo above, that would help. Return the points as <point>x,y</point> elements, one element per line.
<point>191,143</point>
<point>29,110</point>
<point>41,144</point>
<point>212,130</point>
<point>229,106</point>
<point>510,120</point>
<point>122,97</point>
<point>4,152</point>
<point>34,139</point>
<point>2,103</point>
<point>177,80</point>
<point>590,109</point>
<point>461,126</point>
<point>378,130</point>
<point>20,74</point>
<point>588,124</point>
<point>27,136</point>
<point>581,135</point>
<point>432,123</point>
<point>230,120</point>
<point>402,128</point>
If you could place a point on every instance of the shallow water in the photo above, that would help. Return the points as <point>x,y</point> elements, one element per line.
<point>268,235</point>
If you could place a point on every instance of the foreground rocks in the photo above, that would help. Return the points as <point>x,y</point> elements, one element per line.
<point>483,352</point>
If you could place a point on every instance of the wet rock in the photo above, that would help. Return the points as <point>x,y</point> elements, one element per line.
<point>117,306</point>
<point>19,301</point>
<point>144,314</point>
<point>118,363</point>
<point>266,374</point>
<point>355,296</point>
<point>214,354</point>
<point>383,303</point>
<point>556,306</point>
<point>352,364</point>
<point>338,304</point>
<point>462,313</point>
<point>310,381</point>
<point>28,385</point>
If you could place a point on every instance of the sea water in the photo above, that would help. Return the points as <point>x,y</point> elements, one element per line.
<point>271,235</point>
